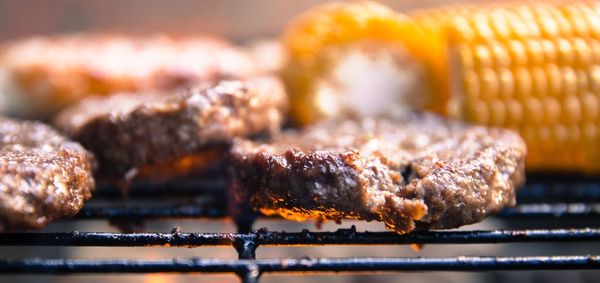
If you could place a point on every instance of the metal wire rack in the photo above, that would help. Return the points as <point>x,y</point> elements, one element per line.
<point>543,197</point>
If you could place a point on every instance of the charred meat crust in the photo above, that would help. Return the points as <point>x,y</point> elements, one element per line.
<point>421,173</point>
<point>162,129</point>
<point>44,176</point>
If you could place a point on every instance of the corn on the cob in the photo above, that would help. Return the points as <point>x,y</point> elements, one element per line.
<point>532,67</point>
<point>318,41</point>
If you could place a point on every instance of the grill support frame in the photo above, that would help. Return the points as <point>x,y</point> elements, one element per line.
<point>320,265</point>
<point>563,199</point>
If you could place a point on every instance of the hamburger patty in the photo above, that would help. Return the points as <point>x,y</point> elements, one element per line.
<point>47,73</point>
<point>419,173</point>
<point>174,132</point>
<point>44,176</point>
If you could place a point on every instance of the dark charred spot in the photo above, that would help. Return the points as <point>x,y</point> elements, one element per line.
<point>408,174</point>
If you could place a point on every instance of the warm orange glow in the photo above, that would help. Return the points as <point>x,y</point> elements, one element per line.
<point>157,278</point>
<point>184,165</point>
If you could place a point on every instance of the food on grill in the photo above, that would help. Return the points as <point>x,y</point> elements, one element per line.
<point>533,67</point>
<point>43,175</point>
<point>268,55</point>
<point>359,59</point>
<point>45,74</point>
<point>419,173</point>
<point>137,134</point>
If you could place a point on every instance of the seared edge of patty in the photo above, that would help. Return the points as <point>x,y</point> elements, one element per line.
<point>160,129</point>
<point>438,188</point>
<point>44,176</point>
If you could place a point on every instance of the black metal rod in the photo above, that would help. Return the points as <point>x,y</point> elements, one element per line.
<point>185,187</point>
<point>246,246</point>
<point>138,212</point>
<point>536,192</point>
<point>251,274</point>
<point>64,266</point>
<point>218,211</point>
<point>249,242</point>
<point>553,210</point>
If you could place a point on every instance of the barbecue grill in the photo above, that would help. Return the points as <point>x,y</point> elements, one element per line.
<point>542,198</point>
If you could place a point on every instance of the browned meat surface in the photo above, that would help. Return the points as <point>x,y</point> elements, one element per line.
<point>43,175</point>
<point>132,133</point>
<point>418,173</point>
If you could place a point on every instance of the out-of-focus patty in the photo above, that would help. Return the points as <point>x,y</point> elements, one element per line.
<point>422,172</point>
<point>46,73</point>
<point>143,131</point>
<point>43,175</point>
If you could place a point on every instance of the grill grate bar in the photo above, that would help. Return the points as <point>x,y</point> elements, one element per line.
<point>547,188</point>
<point>266,238</point>
<point>241,267</point>
<point>145,212</point>
<point>543,197</point>
<point>140,188</point>
<point>217,210</point>
<point>553,210</point>
<point>557,192</point>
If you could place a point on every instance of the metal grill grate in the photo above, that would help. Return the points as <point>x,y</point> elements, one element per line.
<point>543,197</point>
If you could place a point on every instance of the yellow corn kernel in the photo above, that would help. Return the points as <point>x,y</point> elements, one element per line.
<point>533,110</point>
<point>538,70</point>
<point>534,51</point>
<point>477,111</point>
<point>517,51</point>
<point>552,110</point>
<point>320,72</point>
<point>523,82</point>
<point>549,51</point>
<point>572,109</point>
<point>569,81</point>
<point>489,83</point>
<point>471,85</point>
<point>582,80</point>
<point>595,78</point>
<point>554,80</point>
<point>595,46</point>
<point>499,55</point>
<point>591,106</point>
<point>483,57</point>
<point>507,83</point>
<point>566,55</point>
<point>500,26</point>
<point>497,112</point>
<point>539,80</point>
<point>583,52</point>
<point>514,112</point>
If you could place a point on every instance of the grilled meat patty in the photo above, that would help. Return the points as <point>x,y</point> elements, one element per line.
<point>419,173</point>
<point>171,133</point>
<point>47,73</point>
<point>43,175</point>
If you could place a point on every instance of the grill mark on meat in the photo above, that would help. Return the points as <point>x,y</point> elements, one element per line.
<point>419,173</point>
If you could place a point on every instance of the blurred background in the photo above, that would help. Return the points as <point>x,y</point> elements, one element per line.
<point>236,20</point>
<point>240,21</point>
